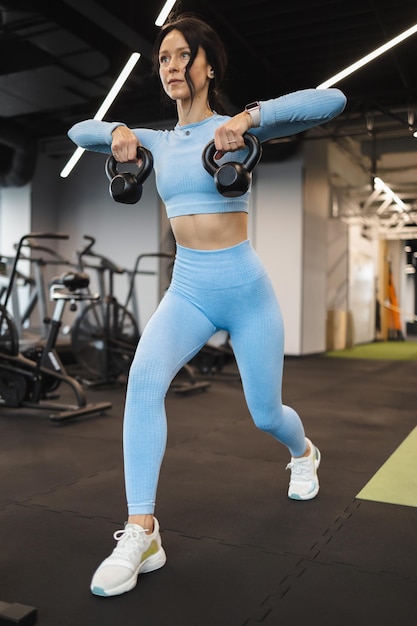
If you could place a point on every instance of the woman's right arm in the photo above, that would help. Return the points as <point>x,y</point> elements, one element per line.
<point>93,135</point>
<point>111,137</point>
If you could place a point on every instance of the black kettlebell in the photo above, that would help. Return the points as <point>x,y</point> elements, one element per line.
<point>126,187</point>
<point>233,178</point>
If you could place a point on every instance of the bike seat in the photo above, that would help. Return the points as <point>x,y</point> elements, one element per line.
<point>72,280</point>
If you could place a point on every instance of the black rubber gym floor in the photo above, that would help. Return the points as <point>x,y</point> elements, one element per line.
<point>240,553</point>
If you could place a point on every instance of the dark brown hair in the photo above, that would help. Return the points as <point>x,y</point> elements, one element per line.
<point>198,34</point>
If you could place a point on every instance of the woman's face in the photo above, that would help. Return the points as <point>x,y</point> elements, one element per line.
<point>174,56</point>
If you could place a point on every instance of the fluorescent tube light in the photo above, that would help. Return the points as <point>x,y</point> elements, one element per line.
<point>107,102</point>
<point>160,20</point>
<point>111,96</point>
<point>369,57</point>
<point>72,162</point>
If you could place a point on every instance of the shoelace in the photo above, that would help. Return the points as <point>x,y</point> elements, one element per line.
<point>298,467</point>
<point>129,540</point>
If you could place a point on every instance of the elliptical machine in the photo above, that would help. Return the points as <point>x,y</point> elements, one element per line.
<point>30,379</point>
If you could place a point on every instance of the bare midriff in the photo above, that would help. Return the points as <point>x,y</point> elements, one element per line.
<point>210,231</point>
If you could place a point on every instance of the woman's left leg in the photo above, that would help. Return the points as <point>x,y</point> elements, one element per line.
<point>236,294</point>
<point>257,338</point>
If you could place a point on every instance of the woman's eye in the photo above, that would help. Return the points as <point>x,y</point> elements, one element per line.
<point>163,60</point>
<point>185,55</point>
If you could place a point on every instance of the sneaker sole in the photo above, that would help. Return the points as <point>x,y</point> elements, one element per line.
<point>312,494</point>
<point>154,562</point>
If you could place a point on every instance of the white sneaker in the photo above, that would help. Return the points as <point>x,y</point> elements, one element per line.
<point>304,481</point>
<point>136,552</point>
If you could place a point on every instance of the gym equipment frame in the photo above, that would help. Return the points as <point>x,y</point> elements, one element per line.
<point>30,380</point>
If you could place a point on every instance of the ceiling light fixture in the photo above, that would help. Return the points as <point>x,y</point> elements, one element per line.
<point>379,185</point>
<point>368,58</point>
<point>107,102</point>
<point>160,20</point>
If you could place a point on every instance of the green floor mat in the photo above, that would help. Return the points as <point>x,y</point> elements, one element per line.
<point>388,350</point>
<point>396,481</point>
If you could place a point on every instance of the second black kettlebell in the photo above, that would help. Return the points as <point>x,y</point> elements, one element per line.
<point>233,178</point>
<point>126,187</point>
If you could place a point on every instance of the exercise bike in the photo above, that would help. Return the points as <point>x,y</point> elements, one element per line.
<point>30,379</point>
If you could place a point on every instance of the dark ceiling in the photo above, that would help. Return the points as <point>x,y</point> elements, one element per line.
<point>58,59</point>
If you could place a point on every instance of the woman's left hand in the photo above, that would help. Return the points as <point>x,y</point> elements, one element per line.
<point>229,136</point>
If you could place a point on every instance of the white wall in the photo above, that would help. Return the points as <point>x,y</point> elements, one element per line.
<point>278,238</point>
<point>316,205</point>
<point>363,267</point>
<point>337,291</point>
<point>15,221</point>
<point>15,216</point>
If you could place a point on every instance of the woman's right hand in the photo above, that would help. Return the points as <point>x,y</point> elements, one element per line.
<point>124,145</point>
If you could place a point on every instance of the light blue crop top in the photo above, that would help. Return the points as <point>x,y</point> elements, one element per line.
<point>182,182</point>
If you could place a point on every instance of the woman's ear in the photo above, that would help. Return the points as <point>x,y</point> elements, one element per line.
<point>211,73</point>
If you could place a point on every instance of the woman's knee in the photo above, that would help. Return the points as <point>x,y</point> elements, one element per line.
<point>149,374</point>
<point>267,426</point>
<point>267,418</point>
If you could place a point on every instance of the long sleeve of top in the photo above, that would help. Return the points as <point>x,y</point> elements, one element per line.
<point>182,182</point>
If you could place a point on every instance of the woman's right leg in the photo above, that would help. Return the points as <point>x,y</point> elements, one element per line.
<point>175,333</point>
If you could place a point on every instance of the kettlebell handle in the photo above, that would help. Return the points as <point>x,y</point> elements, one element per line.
<point>144,168</point>
<point>255,153</point>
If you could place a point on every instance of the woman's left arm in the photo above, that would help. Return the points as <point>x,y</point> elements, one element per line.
<point>282,117</point>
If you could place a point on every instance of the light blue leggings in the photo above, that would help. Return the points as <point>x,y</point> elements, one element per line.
<point>210,290</point>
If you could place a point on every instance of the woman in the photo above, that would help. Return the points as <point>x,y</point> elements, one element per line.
<point>218,281</point>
